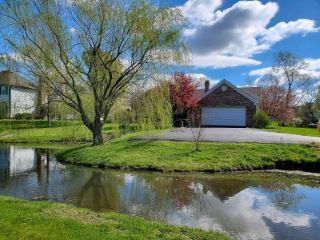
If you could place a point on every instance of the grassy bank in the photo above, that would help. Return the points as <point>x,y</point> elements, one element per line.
<point>44,220</point>
<point>180,156</point>
<point>312,132</point>
<point>37,131</point>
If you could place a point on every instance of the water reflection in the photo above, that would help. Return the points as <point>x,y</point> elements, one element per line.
<point>101,192</point>
<point>244,208</point>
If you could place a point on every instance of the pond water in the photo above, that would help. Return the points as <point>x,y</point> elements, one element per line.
<point>243,206</point>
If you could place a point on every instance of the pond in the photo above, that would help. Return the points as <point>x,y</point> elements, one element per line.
<point>244,206</point>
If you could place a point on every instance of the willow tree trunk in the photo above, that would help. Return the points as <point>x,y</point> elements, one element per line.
<point>97,137</point>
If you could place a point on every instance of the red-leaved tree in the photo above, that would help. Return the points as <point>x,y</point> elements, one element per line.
<point>274,100</point>
<point>184,96</point>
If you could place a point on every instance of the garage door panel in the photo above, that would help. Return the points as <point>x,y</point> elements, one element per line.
<point>224,116</point>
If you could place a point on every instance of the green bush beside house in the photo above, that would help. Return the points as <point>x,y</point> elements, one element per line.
<point>261,119</point>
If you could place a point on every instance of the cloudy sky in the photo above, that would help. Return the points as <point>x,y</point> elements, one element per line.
<point>237,40</point>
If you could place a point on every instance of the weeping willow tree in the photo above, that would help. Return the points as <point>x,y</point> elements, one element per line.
<point>75,45</point>
<point>153,109</point>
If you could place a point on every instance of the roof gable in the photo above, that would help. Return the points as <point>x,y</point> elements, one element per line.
<point>9,78</point>
<point>255,100</point>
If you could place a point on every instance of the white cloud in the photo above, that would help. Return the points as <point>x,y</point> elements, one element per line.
<point>221,61</point>
<point>200,78</point>
<point>231,37</point>
<point>200,11</point>
<point>243,215</point>
<point>189,31</point>
<point>313,64</point>
<point>260,72</point>
<point>312,69</point>
<point>233,30</point>
<point>283,30</point>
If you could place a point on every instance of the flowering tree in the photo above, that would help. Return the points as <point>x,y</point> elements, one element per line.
<point>185,101</point>
<point>184,96</point>
<point>274,100</point>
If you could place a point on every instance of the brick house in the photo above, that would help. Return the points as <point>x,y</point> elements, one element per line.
<point>227,105</point>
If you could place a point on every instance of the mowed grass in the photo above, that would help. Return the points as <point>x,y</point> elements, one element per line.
<point>20,219</point>
<point>37,131</point>
<point>27,124</point>
<point>313,132</point>
<point>180,156</point>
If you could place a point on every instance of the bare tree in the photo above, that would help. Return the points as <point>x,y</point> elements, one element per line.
<point>89,53</point>
<point>196,128</point>
<point>294,77</point>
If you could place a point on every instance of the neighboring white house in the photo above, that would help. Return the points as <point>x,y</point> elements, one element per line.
<point>17,94</point>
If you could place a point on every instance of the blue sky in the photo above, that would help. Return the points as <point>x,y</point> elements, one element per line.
<point>237,40</point>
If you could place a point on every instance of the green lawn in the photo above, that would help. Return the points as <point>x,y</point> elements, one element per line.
<point>158,155</point>
<point>180,156</point>
<point>23,124</point>
<point>296,130</point>
<point>37,131</point>
<point>45,220</point>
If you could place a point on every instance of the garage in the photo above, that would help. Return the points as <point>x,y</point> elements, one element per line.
<point>224,116</point>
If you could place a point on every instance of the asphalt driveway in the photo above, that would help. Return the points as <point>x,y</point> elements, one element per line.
<point>241,135</point>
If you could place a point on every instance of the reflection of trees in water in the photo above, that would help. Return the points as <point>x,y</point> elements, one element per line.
<point>4,165</point>
<point>179,190</point>
<point>146,194</point>
<point>154,196</point>
<point>101,191</point>
<point>42,161</point>
<point>283,194</point>
<point>286,198</point>
<point>224,188</point>
<point>182,191</point>
<point>165,196</point>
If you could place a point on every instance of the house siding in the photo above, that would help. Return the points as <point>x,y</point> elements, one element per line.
<point>230,98</point>
<point>22,101</point>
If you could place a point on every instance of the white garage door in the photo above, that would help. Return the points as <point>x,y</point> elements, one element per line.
<point>224,116</point>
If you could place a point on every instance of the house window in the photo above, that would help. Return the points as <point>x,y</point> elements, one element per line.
<point>3,90</point>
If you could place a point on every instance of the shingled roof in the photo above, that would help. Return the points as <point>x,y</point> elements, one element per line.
<point>12,79</point>
<point>252,91</point>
